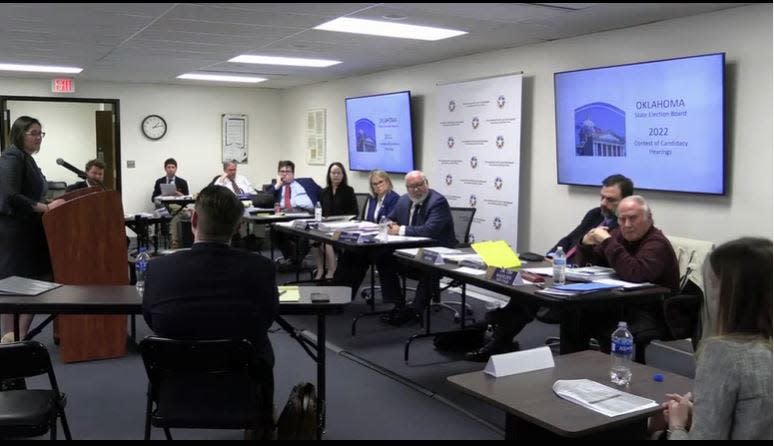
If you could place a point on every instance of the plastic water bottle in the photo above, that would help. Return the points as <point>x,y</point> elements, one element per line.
<point>560,265</point>
<point>140,266</point>
<point>621,352</point>
<point>317,212</point>
<point>384,226</point>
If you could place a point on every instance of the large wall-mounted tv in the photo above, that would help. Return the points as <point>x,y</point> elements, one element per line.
<point>379,132</point>
<point>660,123</point>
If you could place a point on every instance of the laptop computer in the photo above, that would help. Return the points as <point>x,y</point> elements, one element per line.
<point>168,189</point>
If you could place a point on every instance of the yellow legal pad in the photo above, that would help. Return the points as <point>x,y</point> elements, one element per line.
<point>289,293</point>
<point>497,254</point>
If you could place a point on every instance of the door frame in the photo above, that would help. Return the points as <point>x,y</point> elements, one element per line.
<point>5,124</point>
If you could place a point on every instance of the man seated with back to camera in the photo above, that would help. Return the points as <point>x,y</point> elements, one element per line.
<point>639,252</point>
<point>292,196</point>
<point>509,320</point>
<point>95,172</point>
<point>422,212</point>
<point>213,291</point>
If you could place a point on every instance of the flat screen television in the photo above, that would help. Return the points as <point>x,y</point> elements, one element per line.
<point>379,132</point>
<point>660,123</point>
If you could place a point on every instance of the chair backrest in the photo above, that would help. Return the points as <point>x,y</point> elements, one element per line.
<point>362,202</point>
<point>212,384</point>
<point>691,255</point>
<point>463,219</point>
<point>56,189</point>
<point>313,190</point>
<point>24,360</point>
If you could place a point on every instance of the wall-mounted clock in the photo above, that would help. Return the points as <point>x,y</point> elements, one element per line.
<point>154,127</point>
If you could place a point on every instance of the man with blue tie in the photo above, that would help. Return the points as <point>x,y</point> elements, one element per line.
<point>511,319</point>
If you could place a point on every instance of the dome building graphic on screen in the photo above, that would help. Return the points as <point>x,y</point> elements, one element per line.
<point>365,133</point>
<point>600,130</point>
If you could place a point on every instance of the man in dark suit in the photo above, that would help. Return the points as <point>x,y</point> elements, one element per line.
<point>422,212</point>
<point>181,186</point>
<point>95,172</point>
<point>170,166</point>
<point>293,196</point>
<point>511,319</point>
<point>213,291</point>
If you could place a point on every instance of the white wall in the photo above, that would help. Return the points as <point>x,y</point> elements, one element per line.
<point>193,138</point>
<point>547,210</point>
<point>70,134</point>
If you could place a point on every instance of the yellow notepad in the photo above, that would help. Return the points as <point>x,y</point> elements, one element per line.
<point>497,254</point>
<point>289,293</point>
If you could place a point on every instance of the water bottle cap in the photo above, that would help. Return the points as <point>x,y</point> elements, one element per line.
<point>622,324</point>
<point>658,377</point>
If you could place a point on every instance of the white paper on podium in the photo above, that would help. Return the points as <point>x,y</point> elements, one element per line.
<point>519,362</point>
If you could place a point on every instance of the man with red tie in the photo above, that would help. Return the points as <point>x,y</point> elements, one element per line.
<point>292,196</point>
<point>511,319</point>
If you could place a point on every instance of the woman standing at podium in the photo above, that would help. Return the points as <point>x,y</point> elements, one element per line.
<point>23,246</point>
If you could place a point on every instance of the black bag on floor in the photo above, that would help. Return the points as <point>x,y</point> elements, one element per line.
<point>298,420</point>
<point>461,341</point>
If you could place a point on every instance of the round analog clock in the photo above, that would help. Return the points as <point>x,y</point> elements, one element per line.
<point>154,127</point>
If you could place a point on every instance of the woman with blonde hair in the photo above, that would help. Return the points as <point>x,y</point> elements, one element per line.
<point>382,198</point>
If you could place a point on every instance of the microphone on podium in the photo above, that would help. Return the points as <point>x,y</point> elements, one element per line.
<point>81,174</point>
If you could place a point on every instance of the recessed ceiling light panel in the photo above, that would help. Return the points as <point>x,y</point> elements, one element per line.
<point>39,68</point>
<point>388,29</point>
<point>221,78</point>
<point>289,61</point>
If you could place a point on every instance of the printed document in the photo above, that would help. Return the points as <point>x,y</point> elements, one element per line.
<point>601,398</point>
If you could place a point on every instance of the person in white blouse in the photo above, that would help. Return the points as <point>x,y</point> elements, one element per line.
<point>237,184</point>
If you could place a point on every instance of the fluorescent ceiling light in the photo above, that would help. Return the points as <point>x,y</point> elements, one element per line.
<point>290,61</point>
<point>388,29</point>
<point>39,68</point>
<point>221,77</point>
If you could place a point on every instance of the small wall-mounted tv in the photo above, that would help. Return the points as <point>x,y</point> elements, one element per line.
<point>379,132</point>
<point>660,123</point>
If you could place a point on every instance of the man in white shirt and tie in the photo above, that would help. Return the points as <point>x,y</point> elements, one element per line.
<point>181,188</point>
<point>291,196</point>
<point>237,184</point>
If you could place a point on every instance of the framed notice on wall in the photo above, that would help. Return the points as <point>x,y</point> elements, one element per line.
<point>315,136</point>
<point>234,131</point>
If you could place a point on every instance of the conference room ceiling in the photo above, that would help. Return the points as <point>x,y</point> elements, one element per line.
<point>155,42</point>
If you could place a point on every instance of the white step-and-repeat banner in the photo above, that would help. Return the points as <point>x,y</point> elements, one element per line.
<point>479,126</point>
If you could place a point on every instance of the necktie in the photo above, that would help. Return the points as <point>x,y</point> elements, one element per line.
<point>287,197</point>
<point>170,181</point>
<point>414,215</point>
<point>237,190</point>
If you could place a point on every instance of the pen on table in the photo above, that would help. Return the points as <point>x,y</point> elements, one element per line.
<point>605,398</point>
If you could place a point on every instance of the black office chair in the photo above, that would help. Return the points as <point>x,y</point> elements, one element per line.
<point>29,412</point>
<point>206,384</point>
<point>362,202</point>
<point>56,189</point>
<point>463,219</point>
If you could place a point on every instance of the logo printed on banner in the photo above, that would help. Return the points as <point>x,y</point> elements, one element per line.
<point>475,122</point>
<point>497,223</point>
<point>501,101</point>
<point>448,179</point>
<point>452,106</point>
<point>498,183</point>
<point>500,141</point>
<point>473,162</point>
<point>450,142</point>
<point>473,200</point>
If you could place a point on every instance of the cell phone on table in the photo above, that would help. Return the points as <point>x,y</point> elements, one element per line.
<point>320,297</point>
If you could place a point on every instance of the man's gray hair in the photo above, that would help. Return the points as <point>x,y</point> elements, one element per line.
<point>228,163</point>
<point>639,199</point>
<point>414,172</point>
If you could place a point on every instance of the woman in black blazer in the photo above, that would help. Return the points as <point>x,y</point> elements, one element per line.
<point>338,198</point>
<point>23,246</point>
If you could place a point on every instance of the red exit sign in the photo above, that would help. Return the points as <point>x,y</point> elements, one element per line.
<point>63,86</point>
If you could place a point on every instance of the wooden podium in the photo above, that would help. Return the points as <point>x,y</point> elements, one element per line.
<point>87,242</point>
